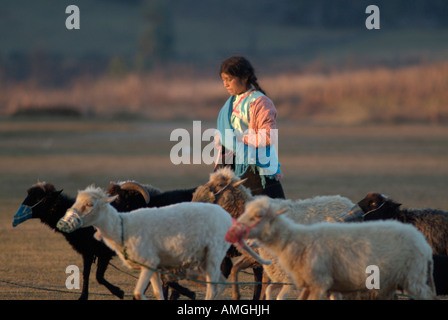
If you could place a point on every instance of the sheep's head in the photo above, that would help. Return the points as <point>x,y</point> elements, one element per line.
<point>374,206</point>
<point>131,195</point>
<point>257,217</point>
<point>257,214</point>
<point>225,189</point>
<point>40,197</point>
<point>84,211</point>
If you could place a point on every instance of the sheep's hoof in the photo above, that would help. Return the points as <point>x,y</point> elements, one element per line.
<point>83,296</point>
<point>137,296</point>
<point>175,295</point>
<point>120,294</point>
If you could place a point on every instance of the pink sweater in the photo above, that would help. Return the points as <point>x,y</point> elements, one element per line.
<point>262,115</point>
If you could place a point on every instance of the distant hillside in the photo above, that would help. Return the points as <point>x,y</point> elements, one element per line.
<point>120,36</point>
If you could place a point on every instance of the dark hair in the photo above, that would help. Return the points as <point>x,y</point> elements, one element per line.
<point>240,67</point>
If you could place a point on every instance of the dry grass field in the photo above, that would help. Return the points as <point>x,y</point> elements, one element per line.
<point>407,162</point>
<point>364,95</point>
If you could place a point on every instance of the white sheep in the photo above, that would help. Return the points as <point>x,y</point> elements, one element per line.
<point>326,257</point>
<point>226,189</point>
<point>303,211</point>
<point>183,235</point>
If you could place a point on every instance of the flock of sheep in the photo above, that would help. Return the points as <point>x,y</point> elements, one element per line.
<point>320,244</point>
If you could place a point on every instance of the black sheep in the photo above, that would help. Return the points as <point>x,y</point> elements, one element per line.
<point>133,195</point>
<point>433,223</point>
<point>440,274</point>
<point>49,205</point>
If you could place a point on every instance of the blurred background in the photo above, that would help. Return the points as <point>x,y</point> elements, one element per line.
<point>316,59</point>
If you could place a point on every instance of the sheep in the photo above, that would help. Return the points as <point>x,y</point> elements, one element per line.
<point>177,236</point>
<point>303,211</point>
<point>133,195</point>
<point>333,257</point>
<point>49,205</point>
<point>433,223</point>
<point>225,188</point>
<point>233,202</point>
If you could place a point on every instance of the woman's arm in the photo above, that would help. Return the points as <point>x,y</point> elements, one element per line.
<point>262,119</point>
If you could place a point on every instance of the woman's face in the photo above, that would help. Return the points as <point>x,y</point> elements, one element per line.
<point>234,85</point>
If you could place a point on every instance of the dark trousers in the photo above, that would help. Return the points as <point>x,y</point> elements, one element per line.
<point>272,188</point>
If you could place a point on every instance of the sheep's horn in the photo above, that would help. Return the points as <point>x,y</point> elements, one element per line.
<point>237,183</point>
<point>132,185</point>
<point>243,246</point>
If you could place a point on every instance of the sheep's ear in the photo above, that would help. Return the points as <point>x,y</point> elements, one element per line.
<point>237,183</point>
<point>281,211</point>
<point>57,192</point>
<point>111,199</point>
<point>395,205</point>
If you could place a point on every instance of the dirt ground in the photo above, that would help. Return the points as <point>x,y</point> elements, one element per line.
<point>407,162</point>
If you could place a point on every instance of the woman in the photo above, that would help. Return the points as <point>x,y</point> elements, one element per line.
<point>251,116</point>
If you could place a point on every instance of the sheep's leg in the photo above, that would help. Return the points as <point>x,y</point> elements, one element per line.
<point>420,290</point>
<point>317,293</point>
<point>220,287</point>
<point>142,284</point>
<point>335,296</point>
<point>235,289</point>
<point>165,287</point>
<point>100,271</point>
<point>304,294</point>
<point>180,290</point>
<point>258,278</point>
<point>242,263</point>
<point>212,276</point>
<point>264,286</point>
<point>269,288</point>
<point>177,290</point>
<point>211,287</point>
<point>419,282</point>
<point>226,266</point>
<point>284,292</point>
<point>157,286</point>
<point>87,265</point>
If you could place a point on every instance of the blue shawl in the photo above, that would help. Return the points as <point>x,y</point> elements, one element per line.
<point>265,158</point>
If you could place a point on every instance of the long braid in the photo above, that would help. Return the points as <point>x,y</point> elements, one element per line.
<point>253,81</point>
